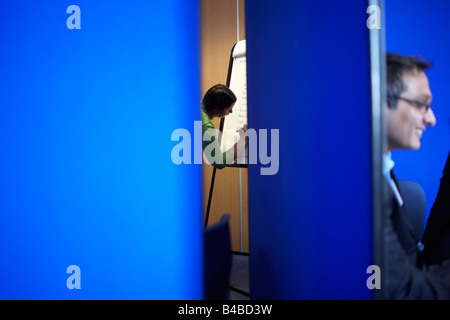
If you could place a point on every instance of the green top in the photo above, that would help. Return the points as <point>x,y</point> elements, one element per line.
<point>210,155</point>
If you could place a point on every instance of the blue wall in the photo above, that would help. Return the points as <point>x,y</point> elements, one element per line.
<point>308,76</point>
<point>414,27</point>
<point>86,175</point>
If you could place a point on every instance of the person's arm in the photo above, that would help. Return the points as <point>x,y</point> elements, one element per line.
<point>240,144</point>
<point>436,237</point>
<point>211,146</point>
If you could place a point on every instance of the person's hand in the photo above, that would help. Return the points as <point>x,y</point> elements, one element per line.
<point>244,128</point>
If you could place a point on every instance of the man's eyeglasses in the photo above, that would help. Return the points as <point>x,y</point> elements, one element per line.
<point>417,104</point>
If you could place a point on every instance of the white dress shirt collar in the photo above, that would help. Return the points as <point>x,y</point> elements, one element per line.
<point>388,165</point>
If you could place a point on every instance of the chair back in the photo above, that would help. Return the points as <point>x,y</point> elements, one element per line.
<point>415,204</point>
<point>217,260</point>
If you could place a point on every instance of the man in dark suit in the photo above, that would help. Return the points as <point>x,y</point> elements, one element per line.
<point>408,114</point>
<point>436,236</point>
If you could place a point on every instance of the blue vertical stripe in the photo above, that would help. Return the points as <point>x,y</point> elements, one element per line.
<point>308,76</point>
<point>86,176</point>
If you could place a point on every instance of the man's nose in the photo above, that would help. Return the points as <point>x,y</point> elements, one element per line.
<point>430,119</point>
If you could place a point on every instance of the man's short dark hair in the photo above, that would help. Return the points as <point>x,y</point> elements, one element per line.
<point>396,66</point>
<point>217,99</point>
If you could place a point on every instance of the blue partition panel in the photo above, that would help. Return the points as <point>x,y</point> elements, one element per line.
<point>86,175</point>
<point>418,28</point>
<point>311,222</point>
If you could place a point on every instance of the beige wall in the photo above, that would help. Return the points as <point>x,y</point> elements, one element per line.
<point>219,34</point>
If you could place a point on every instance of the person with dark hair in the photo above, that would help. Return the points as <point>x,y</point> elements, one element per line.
<point>408,114</point>
<point>409,98</point>
<point>218,101</point>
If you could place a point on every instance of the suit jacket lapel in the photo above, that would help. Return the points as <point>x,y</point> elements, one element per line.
<point>403,228</point>
<point>402,210</point>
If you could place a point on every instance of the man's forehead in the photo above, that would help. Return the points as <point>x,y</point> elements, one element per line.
<point>417,83</point>
<point>414,74</point>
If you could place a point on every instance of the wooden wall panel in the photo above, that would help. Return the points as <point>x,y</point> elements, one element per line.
<point>219,34</point>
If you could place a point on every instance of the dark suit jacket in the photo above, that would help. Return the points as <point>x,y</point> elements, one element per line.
<point>437,231</point>
<point>406,274</point>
